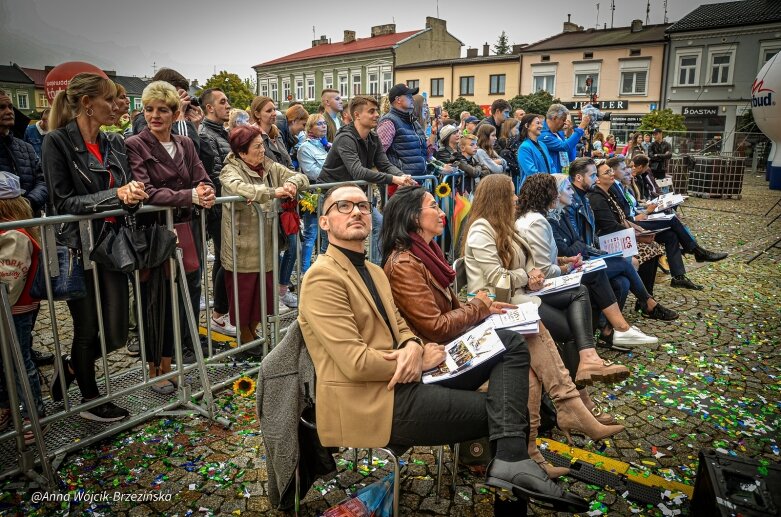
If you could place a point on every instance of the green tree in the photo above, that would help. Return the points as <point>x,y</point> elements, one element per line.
<point>312,107</point>
<point>537,102</point>
<point>239,95</point>
<point>664,119</point>
<point>502,47</point>
<point>746,123</point>
<point>461,104</point>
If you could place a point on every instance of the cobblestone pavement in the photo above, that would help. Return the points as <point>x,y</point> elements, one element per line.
<point>713,380</point>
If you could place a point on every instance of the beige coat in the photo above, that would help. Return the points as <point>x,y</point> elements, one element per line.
<point>348,339</point>
<point>483,267</point>
<point>239,180</point>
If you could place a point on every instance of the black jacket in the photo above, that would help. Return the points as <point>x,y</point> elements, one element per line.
<point>658,154</point>
<point>608,215</point>
<point>18,157</point>
<point>78,183</point>
<point>214,136</point>
<point>568,241</point>
<point>445,155</point>
<point>351,158</point>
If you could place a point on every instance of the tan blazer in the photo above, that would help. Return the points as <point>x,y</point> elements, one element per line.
<point>347,340</point>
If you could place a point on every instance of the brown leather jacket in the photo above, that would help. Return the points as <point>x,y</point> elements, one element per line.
<point>432,312</point>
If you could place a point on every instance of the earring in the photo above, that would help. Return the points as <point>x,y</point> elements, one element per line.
<point>89,112</point>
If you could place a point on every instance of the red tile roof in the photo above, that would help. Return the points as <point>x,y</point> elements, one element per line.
<point>38,76</point>
<point>341,48</point>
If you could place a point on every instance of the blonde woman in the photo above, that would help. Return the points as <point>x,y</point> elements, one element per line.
<point>311,157</point>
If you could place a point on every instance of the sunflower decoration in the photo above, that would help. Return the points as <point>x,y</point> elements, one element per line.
<point>244,386</point>
<point>308,201</point>
<point>443,190</point>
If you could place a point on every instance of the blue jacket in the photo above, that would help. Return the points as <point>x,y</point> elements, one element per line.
<point>409,150</point>
<point>34,137</point>
<point>557,143</point>
<point>18,157</point>
<point>531,161</point>
<point>582,219</point>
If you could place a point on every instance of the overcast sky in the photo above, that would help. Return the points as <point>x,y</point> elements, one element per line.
<point>198,37</point>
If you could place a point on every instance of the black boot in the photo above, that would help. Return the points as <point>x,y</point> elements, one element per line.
<point>42,357</point>
<point>526,479</point>
<point>683,282</point>
<point>703,255</point>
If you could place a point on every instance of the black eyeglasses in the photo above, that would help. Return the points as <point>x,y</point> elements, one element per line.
<point>347,207</point>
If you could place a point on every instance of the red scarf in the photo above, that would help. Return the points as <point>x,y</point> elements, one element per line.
<point>434,260</point>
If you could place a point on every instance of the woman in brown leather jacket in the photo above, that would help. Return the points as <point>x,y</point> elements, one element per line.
<point>420,279</point>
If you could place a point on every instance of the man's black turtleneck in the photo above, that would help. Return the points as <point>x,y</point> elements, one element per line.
<point>359,261</point>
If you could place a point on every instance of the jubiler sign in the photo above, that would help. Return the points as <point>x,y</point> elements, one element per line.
<point>602,105</point>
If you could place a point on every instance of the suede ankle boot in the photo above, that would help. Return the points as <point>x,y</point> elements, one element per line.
<point>535,398</point>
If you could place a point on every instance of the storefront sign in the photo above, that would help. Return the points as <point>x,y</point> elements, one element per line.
<point>603,105</point>
<point>629,120</point>
<point>700,111</point>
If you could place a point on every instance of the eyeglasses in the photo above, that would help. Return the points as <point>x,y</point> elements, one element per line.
<point>432,206</point>
<point>347,207</point>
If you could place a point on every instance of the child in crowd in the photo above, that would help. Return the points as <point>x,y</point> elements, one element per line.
<point>19,251</point>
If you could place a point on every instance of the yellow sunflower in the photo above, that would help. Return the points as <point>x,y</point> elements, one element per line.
<point>244,386</point>
<point>443,190</point>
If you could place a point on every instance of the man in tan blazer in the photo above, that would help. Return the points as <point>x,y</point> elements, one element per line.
<point>369,366</point>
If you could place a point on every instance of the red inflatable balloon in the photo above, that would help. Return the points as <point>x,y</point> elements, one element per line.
<point>59,76</point>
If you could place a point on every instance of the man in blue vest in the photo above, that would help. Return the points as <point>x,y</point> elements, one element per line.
<point>401,135</point>
<point>561,148</point>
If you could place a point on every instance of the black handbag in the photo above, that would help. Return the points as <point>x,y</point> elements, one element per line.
<point>68,285</point>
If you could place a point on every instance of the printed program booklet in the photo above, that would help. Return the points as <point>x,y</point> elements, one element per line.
<point>561,283</point>
<point>464,353</point>
<point>523,320</point>
<point>667,201</point>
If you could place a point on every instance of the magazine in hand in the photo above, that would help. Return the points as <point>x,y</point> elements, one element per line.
<point>525,314</point>
<point>592,265</point>
<point>667,201</point>
<point>660,216</point>
<point>561,283</point>
<point>464,353</point>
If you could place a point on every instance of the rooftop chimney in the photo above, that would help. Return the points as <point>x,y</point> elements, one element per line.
<point>486,49</point>
<point>517,49</point>
<point>382,30</point>
<point>349,36</point>
<point>435,23</point>
<point>569,26</point>
<point>471,52</point>
<point>322,41</point>
<point>637,25</point>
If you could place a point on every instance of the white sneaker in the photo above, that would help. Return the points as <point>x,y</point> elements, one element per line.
<point>222,325</point>
<point>289,299</point>
<point>633,336</point>
<point>283,308</point>
<point>210,257</point>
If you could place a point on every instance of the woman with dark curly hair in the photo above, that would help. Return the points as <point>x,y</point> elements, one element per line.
<point>539,195</point>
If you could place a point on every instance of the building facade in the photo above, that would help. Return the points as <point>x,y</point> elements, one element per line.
<point>714,55</point>
<point>480,79</point>
<point>354,65</point>
<point>623,66</point>
<point>19,87</point>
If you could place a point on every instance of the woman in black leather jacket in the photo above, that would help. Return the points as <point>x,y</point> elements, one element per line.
<point>87,172</point>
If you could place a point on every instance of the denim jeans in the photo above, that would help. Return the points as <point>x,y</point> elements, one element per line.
<point>619,267</point>
<point>376,247</point>
<point>23,323</point>
<point>287,262</point>
<point>308,240</point>
<point>452,411</point>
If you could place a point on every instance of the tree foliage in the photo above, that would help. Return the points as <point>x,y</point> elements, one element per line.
<point>236,89</point>
<point>312,107</point>
<point>461,104</point>
<point>537,102</point>
<point>502,47</point>
<point>664,119</point>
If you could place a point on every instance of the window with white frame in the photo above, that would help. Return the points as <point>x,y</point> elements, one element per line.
<point>387,80</point>
<point>299,88</point>
<point>634,76</point>
<point>688,70</point>
<point>285,89</point>
<point>264,88</point>
<point>374,81</point>
<point>356,83</point>
<point>343,89</point>
<point>328,81</point>
<point>22,100</point>
<point>721,64</point>
<point>138,103</point>
<point>310,88</point>
<point>438,87</point>
<point>496,86</point>
<point>274,90</point>
<point>544,78</point>
<point>582,72</point>
<point>768,49</point>
<point>43,101</point>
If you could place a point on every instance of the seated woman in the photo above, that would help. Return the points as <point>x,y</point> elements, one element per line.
<point>538,196</point>
<point>420,279</point>
<point>569,243</point>
<point>486,155</point>
<point>174,176</point>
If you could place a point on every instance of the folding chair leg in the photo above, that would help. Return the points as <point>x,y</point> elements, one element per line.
<point>439,471</point>
<point>396,480</point>
<point>355,460</point>
<point>456,450</point>
<point>297,504</point>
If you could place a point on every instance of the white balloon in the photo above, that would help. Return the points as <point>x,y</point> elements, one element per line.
<point>767,112</point>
